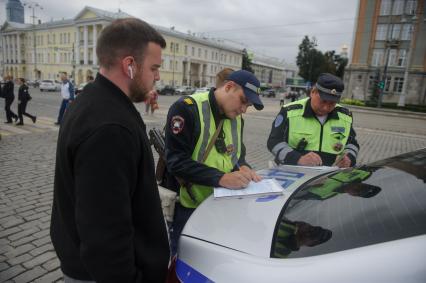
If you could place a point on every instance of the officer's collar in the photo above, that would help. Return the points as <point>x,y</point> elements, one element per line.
<point>214,106</point>
<point>309,112</point>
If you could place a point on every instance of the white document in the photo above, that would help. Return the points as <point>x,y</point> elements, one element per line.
<point>264,187</point>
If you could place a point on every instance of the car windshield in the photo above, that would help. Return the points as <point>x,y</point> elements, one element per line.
<point>354,208</point>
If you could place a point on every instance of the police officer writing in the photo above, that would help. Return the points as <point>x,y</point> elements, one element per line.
<point>204,144</point>
<point>316,130</point>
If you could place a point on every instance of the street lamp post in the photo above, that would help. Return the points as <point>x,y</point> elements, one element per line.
<point>401,101</point>
<point>33,5</point>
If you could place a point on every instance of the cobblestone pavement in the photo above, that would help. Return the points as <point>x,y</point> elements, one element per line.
<point>26,181</point>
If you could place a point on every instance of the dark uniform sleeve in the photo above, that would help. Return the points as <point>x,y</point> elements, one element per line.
<point>352,147</point>
<point>181,139</point>
<point>242,160</point>
<point>278,141</point>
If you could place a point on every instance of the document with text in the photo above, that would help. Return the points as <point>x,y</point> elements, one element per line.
<point>263,187</point>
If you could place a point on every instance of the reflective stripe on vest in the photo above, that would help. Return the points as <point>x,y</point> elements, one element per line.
<point>331,137</point>
<point>222,161</point>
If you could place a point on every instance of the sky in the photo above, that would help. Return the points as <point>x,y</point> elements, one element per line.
<point>268,27</point>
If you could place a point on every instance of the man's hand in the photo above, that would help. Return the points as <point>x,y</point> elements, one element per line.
<point>345,162</point>
<point>253,174</point>
<point>310,159</point>
<point>235,180</point>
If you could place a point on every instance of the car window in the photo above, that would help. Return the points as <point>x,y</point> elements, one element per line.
<point>354,208</point>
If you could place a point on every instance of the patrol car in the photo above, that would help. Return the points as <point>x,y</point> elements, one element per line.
<point>363,224</point>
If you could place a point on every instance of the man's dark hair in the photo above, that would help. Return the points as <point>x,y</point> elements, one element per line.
<point>125,37</point>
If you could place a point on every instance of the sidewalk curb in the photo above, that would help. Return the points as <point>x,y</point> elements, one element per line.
<point>387,112</point>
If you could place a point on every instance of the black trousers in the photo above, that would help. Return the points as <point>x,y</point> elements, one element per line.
<point>9,113</point>
<point>21,112</point>
<point>180,218</point>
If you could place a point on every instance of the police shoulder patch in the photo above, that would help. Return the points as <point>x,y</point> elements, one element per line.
<point>177,124</point>
<point>278,120</point>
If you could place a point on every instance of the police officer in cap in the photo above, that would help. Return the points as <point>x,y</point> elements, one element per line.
<point>316,130</point>
<point>204,143</point>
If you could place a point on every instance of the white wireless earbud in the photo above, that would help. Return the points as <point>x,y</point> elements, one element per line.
<point>130,72</point>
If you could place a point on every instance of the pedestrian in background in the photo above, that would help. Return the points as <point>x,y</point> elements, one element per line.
<point>151,102</point>
<point>9,96</point>
<point>23,98</point>
<point>107,222</point>
<point>67,93</point>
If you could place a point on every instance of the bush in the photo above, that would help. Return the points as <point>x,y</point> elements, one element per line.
<point>352,102</point>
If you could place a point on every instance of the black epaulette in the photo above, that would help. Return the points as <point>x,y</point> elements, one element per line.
<point>293,107</point>
<point>344,110</point>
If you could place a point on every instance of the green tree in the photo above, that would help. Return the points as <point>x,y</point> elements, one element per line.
<point>309,60</point>
<point>246,65</point>
<point>312,62</point>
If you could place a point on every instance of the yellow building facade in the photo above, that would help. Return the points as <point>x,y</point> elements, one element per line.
<point>43,51</point>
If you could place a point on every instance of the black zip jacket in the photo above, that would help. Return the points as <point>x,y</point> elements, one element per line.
<point>107,223</point>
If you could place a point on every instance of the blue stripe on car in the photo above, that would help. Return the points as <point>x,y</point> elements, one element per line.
<point>187,274</point>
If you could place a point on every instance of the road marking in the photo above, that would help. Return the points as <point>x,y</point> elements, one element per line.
<point>43,124</point>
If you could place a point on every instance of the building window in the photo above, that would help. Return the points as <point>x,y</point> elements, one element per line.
<point>193,51</point>
<point>398,83</point>
<point>402,58</point>
<point>385,7</point>
<point>381,32</point>
<point>177,47</point>
<point>396,30</point>
<point>205,54</point>
<point>377,59</point>
<point>171,64</point>
<point>411,7</point>
<point>186,50</point>
<point>172,47</point>
<point>199,52</point>
<point>392,57</point>
<point>398,7</point>
<point>406,31</point>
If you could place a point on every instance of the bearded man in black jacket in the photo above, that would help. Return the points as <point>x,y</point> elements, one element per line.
<point>107,223</point>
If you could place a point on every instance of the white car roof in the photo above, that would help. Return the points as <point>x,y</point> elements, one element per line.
<point>260,214</point>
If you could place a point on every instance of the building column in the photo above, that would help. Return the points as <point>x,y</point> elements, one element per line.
<point>18,43</point>
<point>85,48</point>
<point>3,43</point>
<point>95,36</point>
<point>77,47</point>
<point>8,53</point>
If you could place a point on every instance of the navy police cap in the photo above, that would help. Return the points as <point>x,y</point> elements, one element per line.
<point>250,85</point>
<point>330,87</point>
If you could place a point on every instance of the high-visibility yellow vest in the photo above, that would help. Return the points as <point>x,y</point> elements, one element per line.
<point>330,137</point>
<point>224,162</point>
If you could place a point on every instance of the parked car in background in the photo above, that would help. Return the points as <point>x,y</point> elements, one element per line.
<point>268,93</point>
<point>202,89</point>
<point>49,85</point>
<point>185,90</point>
<point>33,83</point>
<point>362,224</point>
<point>167,90</point>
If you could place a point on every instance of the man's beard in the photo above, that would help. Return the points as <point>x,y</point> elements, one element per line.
<point>137,91</point>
